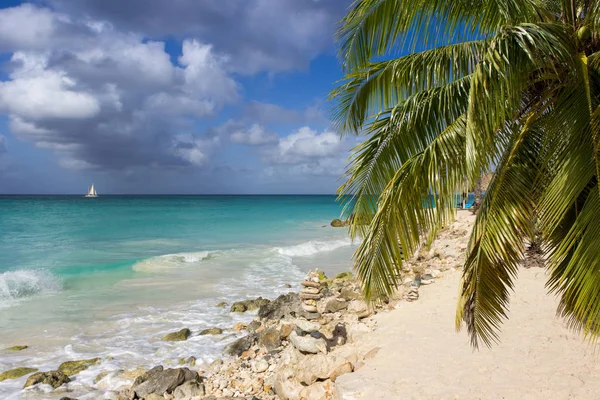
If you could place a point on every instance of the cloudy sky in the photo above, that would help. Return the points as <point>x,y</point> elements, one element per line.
<point>169,96</point>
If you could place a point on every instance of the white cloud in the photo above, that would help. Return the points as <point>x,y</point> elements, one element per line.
<point>304,144</point>
<point>255,135</point>
<point>46,94</point>
<point>26,26</point>
<point>195,150</point>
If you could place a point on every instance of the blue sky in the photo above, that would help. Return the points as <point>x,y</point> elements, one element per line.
<point>193,96</point>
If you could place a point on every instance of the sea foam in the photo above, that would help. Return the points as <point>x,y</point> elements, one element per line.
<point>15,285</point>
<point>170,261</point>
<point>312,247</point>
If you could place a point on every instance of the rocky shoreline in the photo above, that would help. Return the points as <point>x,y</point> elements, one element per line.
<point>295,348</point>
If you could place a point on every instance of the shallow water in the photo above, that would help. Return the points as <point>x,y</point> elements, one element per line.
<point>110,276</point>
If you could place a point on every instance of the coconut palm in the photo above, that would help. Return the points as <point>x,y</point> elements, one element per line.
<point>445,91</point>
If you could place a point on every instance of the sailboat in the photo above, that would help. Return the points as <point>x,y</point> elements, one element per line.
<point>92,192</point>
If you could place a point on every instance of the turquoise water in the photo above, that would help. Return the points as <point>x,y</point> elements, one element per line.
<point>108,276</point>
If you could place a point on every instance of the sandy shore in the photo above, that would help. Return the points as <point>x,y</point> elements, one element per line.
<point>422,356</point>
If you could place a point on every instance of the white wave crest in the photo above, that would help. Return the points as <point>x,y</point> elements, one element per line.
<point>312,247</point>
<point>169,262</point>
<point>15,285</point>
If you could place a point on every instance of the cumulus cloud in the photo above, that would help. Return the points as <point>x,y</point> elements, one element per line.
<point>267,113</point>
<point>255,135</point>
<point>260,35</point>
<point>113,100</point>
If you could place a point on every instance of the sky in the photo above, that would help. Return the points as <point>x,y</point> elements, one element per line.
<point>169,96</point>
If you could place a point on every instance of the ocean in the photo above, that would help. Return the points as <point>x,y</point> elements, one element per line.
<point>109,276</point>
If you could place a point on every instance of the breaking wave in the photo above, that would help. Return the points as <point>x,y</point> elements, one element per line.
<point>20,284</point>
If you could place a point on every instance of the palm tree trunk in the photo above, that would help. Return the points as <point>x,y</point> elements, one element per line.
<point>478,195</point>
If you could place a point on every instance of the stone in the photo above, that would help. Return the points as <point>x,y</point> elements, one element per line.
<point>270,339</point>
<point>253,326</point>
<point>335,305</point>
<point>191,361</point>
<point>309,296</point>
<point>260,365</point>
<point>286,305</point>
<point>190,390</point>
<point>310,290</point>
<point>349,294</point>
<point>67,398</point>
<point>238,306</point>
<point>311,316</point>
<point>178,336</point>
<point>285,330</point>
<point>287,286</point>
<point>308,344</point>
<point>371,353</point>
<point>318,391</point>
<point>154,396</point>
<point>71,368</point>
<point>222,304</point>
<point>52,378</point>
<point>344,276</point>
<point>307,326</point>
<point>239,346</point>
<point>239,326</point>
<point>212,331</point>
<point>311,284</point>
<point>18,348</point>
<point>159,381</point>
<point>340,370</point>
<point>16,373</point>
<point>309,308</point>
<point>337,223</point>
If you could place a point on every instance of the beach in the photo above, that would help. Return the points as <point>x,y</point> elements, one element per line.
<point>314,338</point>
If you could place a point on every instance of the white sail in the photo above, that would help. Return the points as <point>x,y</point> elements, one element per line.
<point>92,192</point>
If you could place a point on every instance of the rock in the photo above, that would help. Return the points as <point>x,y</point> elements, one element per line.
<point>309,308</point>
<point>212,331</point>
<point>71,368</point>
<point>286,305</point>
<point>335,305</point>
<point>311,284</point>
<point>349,294</point>
<point>52,378</point>
<point>178,336</point>
<point>191,361</point>
<point>344,276</point>
<point>239,326</point>
<point>287,286</point>
<point>222,304</point>
<point>18,348</point>
<point>270,339</point>
<point>190,390</point>
<point>260,365</point>
<point>338,223</point>
<point>307,326</point>
<point>340,370</point>
<point>318,391</point>
<point>309,296</point>
<point>154,396</point>
<point>67,398</point>
<point>285,330</point>
<point>311,316</point>
<point>159,381</point>
<point>16,373</point>
<point>308,344</point>
<point>238,306</point>
<point>310,290</point>
<point>427,279</point>
<point>239,346</point>
<point>253,326</point>
<point>371,353</point>
<point>412,294</point>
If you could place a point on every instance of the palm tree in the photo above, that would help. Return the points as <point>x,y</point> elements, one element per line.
<point>513,84</point>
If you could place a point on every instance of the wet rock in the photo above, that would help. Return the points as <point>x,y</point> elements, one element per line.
<point>239,346</point>
<point>52,378</point>
<point>178,336</point>
<point>239,326</point>
<point>190,390</point>
<point>238,306</point>
<point>191,361</point>
<point>285,305</point>
<point>71,368</point>
<point>222,304</point>
<point>337,223</point>
<point>18,348</point>
<point>67,398</point>
<point>159,381</point>
<point>308,344</point>
<point>16,373</point>
<point>212,331</point>
<point>287,286</point>
<point>335,305</point>
<point>253,326</point>
<point>270,339</point>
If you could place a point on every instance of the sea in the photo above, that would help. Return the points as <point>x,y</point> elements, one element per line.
<point>110,276</point>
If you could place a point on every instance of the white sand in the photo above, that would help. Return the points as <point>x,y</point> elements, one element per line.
<point>421,355</point>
